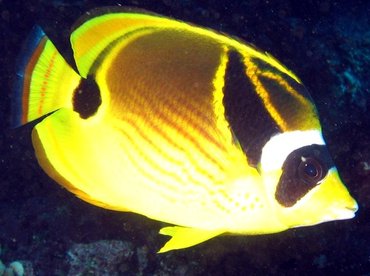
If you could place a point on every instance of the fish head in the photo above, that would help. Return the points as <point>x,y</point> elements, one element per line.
<point>301,181</point>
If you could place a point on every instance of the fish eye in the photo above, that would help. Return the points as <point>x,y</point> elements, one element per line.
<point>310,170</point>
<point>303,169</point>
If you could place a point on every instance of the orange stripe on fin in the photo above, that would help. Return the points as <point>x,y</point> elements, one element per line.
<point>45,81</point>
<point>30,53</point>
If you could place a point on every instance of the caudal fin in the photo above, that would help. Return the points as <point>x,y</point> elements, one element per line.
<point>45,81</point>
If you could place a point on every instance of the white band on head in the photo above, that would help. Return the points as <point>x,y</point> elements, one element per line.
<point>277,149</point>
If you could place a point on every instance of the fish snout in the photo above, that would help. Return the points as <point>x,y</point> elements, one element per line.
<point>347,212</point>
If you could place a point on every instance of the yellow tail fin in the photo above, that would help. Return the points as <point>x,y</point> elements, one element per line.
<point>45,81</point>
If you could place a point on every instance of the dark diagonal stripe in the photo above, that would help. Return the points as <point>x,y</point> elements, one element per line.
<point>298,87</point>
<point>245,111</point>
<point>288,106</point>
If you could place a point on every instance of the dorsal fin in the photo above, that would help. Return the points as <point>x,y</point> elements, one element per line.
<point>99,29</point>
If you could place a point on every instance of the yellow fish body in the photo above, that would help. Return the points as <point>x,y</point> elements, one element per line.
<point>181,124</point>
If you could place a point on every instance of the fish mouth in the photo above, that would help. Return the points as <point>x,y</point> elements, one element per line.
<point>354,208</point>
<point>347,212</point>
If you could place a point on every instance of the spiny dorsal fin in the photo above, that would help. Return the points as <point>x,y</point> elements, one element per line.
<point>101,28</point>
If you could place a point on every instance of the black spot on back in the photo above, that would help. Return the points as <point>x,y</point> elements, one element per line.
<point>303,169</point>
<point>245,111</point>
<point>86,98</point>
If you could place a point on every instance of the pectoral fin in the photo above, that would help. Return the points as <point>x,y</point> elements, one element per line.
<point>183,237</point>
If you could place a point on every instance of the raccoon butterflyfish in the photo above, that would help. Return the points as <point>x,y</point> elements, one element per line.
<point>180,124</point>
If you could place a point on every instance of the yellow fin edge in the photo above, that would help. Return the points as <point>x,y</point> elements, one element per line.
<point>183,237</point>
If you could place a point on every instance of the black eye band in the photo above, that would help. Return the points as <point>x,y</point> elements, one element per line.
<point>303,169</point>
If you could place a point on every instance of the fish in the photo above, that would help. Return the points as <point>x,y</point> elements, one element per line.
<point>178,123</point>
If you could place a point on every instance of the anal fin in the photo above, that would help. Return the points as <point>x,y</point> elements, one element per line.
<point>183,237</point>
